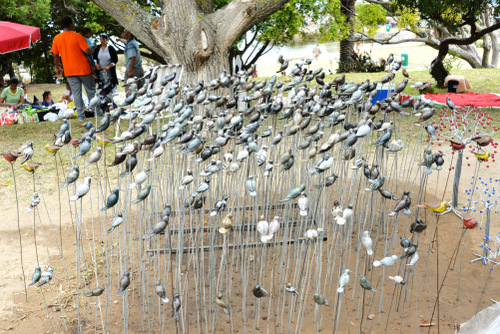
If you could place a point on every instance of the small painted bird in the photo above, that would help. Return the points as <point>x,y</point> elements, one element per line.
<point>403,204</point>
<point>46,276</point>
<point>219,301</point>
<point>226,224</point>
<point>428,161</point>
<point>343,281</point>
<point>291,289</point>
<point>10,155</point>
<point>52,148</point>
<point>469,221</point>
<point>28,152</point>
<point>34,202</point>
<point>251,185</point>
<point>386,261</point>
<point>139,179</point>
<point>82,189</point>
<point>95,292</point>
<point>259,291</point>
<point>117,221</point>
<point>72,176</point>
<point>94,157</point>
<point>83,148</point>
<point>130,164</point>
<point>456,145</point>
<point>161,292</point>
<point>397,279</point>
<point>31,166</point>
<point>436,207</point>
<point>376,184</point>
<point>176,305</point>
<point>367,242</point>
<point>102,139</point>
<point>365,284</point>
<point>413,259</point>
<point>481,155</point>
<point>187,179</point>
<point>303,204</point>
<point>112,199</point>
<point>294,193</point>
<point>124,283</point>
<point>418,226</point>
<point>142,194</point>
<point>409,251</point>
<point>220,205</point>
<point>157,229</point>
<point>36,276</point>
<point>483,140</point>
<point>320,300</point>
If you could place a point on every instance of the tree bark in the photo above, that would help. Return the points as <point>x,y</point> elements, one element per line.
<point>438,71</point>
<point>347,45</point>
<point>188,33</point>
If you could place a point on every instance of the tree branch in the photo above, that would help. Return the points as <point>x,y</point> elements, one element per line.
<point>258,54</point>
<point>384,4</point>
<point>244,14</point>
<point>445,43</point>
<point>138,21</point>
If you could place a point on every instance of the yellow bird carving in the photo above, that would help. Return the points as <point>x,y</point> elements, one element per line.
<point>31,166</point>
<point>52,148</point>
<point>436,207</point>
<point>102,139</point>
<point>481,154</point>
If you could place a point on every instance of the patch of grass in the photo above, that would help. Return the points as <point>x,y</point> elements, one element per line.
<point>482,80</point>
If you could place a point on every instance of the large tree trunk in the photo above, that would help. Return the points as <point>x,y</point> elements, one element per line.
<point>188,33</point>
<point>495,50</point>
<point>347,45</point>
<point>437,70</point>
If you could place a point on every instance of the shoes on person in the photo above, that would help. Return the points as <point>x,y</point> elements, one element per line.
<point>80,119</point>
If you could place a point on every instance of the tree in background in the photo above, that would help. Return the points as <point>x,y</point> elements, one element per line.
<point>203,34</point>
<point>457,25</point>
<point>30,12</point>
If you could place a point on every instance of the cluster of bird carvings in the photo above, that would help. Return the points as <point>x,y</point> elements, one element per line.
<point>203,124</point>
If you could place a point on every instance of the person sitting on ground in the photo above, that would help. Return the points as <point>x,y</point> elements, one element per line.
<point>68,94</point>
<point>47,99</point>
<point>25,91</point>
<point>12,96</point>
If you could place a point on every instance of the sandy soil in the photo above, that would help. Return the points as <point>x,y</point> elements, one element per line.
<point>19,316</point>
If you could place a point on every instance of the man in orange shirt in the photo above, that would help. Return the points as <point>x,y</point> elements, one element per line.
<point>73,48</point>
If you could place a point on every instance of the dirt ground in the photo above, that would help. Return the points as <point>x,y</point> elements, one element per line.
<point>19,316</point>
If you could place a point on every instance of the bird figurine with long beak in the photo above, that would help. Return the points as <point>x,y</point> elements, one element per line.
<point>480,154</point>
<point>436,207</point>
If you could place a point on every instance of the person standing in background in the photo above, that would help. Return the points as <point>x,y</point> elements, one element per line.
<point>133,61</point>
<point>87,34</point>
<point>105,58</point>
<point>73,49</point>
<point>316,52</point>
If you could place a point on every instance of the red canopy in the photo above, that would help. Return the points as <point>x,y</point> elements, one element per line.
<point>15,36</point>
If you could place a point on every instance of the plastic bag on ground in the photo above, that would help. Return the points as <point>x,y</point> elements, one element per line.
<point>485,322</point>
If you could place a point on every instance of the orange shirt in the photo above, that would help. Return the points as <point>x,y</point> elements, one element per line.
<point>70,45</point>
